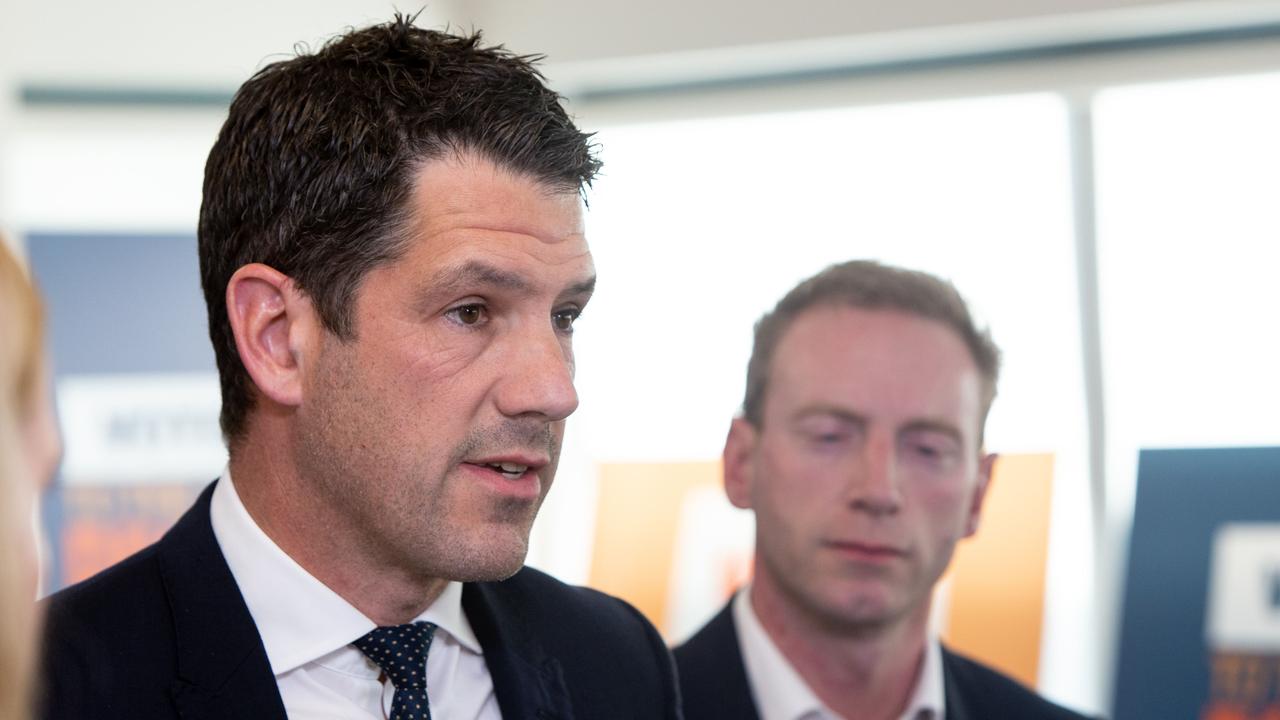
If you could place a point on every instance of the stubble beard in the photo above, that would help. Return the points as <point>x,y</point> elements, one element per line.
<point>412,514</point>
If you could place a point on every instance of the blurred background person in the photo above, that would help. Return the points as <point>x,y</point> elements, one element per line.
<point>860,451</point>
<point>29,451</point>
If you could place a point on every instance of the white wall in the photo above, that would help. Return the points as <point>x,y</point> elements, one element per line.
<point>172,42</point>
<point>187,44</point>
<point>71,168</point>
<point>581,30</point>
<point>595,45</point>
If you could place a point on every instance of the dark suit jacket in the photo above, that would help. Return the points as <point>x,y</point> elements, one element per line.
<point>166,634</point>
<point>713,682</point>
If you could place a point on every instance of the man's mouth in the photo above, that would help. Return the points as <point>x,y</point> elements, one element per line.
<point>509,470</point>
<point>511,475</point>
<point>511,465</point>
<point>866,550</point>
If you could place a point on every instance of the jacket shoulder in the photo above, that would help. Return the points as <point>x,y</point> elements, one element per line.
<point>985,692</point>
<point>711,647</point>
<point>111,595</point>
<point>610,655</point>
<point>536,600</point>
<point>110,642</point>
<point>713,677</point>
<point>106,638</point>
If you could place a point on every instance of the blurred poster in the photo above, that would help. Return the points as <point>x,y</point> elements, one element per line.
<point>668,541</point>
<point>147,428</point>
<point>997,577</point>
<point>104,524</point>
<point>1200,634</point>
<point>136,390</point>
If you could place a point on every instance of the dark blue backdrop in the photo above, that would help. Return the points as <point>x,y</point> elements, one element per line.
<point>1182,496</point>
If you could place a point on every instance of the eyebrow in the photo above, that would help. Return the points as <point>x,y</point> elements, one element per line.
<point>471,274</point>
<point>585,287</point>
<point>838,413</point>
<point>476,272</point>
<point>937,426</point>
<point>920,425</point>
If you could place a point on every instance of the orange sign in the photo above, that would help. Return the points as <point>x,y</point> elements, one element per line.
<point>670,543</point>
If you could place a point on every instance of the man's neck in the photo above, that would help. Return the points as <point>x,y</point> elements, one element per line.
<point>867,675</point>
<point>322,540</point>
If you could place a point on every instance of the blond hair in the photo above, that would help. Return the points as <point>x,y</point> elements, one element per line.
<point>21,359</point>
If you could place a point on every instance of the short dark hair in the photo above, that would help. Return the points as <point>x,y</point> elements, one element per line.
<point>870,285</point>
<point>314,167</point>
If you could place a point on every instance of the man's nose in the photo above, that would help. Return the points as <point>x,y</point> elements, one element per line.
<point>873,481</point>
<point>537,377</point>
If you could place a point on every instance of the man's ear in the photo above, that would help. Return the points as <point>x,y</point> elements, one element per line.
<point>985,464</point>
<point>739,462</point>
<point>273,323</point>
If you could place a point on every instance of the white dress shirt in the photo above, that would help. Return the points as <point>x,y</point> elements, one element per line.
<point>781,694</point>
<point>307,630</point>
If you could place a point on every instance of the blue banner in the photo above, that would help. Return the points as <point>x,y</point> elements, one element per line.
<point>1200,632</point>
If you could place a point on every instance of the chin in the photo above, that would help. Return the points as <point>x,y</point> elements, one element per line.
<point>486,561</point>
<point>489,573</point>
<point>861,610</point>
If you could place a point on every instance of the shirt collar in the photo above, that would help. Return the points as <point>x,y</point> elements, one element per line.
<point>779,691</point>
<point>930,694</point>
<point>298,617</point>
<point>781,694</point>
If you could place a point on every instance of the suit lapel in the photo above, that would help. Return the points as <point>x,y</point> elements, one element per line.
<point>958,705</point>
<point>527,682</point>
<point>725,652</point>
<point>223,669</point>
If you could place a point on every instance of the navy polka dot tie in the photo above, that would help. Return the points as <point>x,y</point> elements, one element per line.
<point>401,652</point>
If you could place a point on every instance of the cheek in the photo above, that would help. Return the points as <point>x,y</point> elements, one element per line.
<point>793,493</point>
<point>436,364</point>
<point>393,352</point>
<point>450,381</point>
<point>433,349</point>
<point>808,478</point>
<point>945,506</point>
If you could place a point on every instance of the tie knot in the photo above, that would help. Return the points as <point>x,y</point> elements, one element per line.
<point>401,652</point>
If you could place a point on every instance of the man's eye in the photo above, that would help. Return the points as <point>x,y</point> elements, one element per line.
<point>825,436</point>
<point>928,451</point>
<point>936,453</point>
<point>468,314</point>
<point>564,319</point>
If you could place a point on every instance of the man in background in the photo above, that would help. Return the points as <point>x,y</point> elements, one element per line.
<point>860,449</point>
<point>392,253</point>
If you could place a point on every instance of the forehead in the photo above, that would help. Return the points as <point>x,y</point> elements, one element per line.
<point>474,227</point>
<point>465,192</point>
<point>874,361</point>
